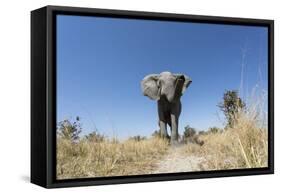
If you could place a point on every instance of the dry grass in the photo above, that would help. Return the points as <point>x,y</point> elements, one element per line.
<point>107,158</point>
<point>242,146</point>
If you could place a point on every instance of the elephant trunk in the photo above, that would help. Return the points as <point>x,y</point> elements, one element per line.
<point>168,92</point>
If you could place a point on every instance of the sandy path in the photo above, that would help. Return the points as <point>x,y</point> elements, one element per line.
<point>176,161</point>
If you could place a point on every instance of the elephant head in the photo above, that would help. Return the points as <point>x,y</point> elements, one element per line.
<point>165,85</point>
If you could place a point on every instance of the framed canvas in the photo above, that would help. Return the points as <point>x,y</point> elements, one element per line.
<point>126,96</point>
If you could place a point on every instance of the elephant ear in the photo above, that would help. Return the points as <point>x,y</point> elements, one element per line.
<point>184,81</point>
<point>150,87</point>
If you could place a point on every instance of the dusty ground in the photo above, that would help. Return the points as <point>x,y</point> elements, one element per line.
<point>176,161</point>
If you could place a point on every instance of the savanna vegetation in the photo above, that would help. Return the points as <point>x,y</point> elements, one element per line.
<point>241,143</point>
<point>94,155</point>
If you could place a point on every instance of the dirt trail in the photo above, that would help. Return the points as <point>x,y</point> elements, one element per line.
<point>177,161</point>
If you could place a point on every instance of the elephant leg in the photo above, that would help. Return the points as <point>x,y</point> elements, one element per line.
<point>174,129</point>
<point>162,119</point>
<point>163,129</point>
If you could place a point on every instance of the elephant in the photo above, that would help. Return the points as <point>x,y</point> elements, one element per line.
<point>167,88</point>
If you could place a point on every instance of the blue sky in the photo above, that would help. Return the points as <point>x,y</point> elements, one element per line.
<point>101,61</point>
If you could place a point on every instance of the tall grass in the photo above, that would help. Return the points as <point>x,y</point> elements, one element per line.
<point>87,158</point>
<point>244,145</point>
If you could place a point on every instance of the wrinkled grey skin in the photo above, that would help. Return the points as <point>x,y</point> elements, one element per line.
<point>167,89</point>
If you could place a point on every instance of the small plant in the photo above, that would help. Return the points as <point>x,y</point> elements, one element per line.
<point>69,130</point>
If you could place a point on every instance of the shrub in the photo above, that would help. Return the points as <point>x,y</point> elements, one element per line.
<point>137,138</point>
<point>95,137</point>
<point>188,132</point>
<point>69,130</point>
<point>190,136</point>
<point>214,130</point>
<point>202,132</point>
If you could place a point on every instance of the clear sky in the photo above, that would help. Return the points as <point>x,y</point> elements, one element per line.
<point>101,62</point>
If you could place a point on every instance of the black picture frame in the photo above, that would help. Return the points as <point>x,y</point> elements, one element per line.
<point>43,96</point>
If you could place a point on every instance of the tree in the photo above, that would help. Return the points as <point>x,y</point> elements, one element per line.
<point>230,106</point>
<point>69,130</point>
